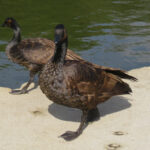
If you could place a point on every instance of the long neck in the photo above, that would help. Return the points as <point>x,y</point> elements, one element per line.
<point>60,53</point>
<point>15,40</point>
<point>17,35</point>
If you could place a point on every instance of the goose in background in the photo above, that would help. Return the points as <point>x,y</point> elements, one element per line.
<point>32,53</point>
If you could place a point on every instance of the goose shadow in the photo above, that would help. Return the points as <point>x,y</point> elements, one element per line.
<point>115,104</point>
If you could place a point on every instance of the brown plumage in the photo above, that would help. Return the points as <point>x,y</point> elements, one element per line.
<point>33,53</point>
<point>78,84</point>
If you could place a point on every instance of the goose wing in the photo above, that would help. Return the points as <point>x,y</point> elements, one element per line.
<point>118,72</point>
<point>93,83</point>
<point>40,50</point>
<point>37,50</point>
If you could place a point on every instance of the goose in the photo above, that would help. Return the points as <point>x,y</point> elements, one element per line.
<point>77,84</point>
<point>32,53</point>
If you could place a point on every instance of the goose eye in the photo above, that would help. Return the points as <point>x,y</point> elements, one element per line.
<point>9,21</point>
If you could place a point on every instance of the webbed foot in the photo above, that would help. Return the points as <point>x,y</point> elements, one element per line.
<point>18,92</point>
<point>69,135</point>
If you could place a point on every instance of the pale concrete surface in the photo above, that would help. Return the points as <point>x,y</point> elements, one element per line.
<point>32,122</point>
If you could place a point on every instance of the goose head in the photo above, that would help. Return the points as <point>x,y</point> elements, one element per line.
<point>11,23</point>
<point>60,34</point>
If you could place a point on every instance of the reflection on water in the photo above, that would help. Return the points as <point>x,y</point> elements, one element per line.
<point>114,33</point>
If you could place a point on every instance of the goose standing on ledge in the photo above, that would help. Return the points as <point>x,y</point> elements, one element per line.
<point>31,53</point>
<point>76,84</point>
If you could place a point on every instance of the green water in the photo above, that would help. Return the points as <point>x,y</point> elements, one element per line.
<point>38,19</point>
<point>106,32</point>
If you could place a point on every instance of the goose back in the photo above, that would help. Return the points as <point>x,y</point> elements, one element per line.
<point>35,51</point>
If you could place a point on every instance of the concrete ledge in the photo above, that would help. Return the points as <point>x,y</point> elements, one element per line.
<point>32,122</point>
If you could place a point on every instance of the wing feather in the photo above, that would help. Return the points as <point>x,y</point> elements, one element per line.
<point>93,82</point>
<point>37,50</point>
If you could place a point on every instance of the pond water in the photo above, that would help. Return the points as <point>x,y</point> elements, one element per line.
<point>113,33</point>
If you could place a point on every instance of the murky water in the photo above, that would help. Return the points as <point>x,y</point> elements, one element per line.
<point>106,32</point>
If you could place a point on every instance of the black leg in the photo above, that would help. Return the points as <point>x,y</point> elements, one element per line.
<point>70,135</point>
<point>24,89</point>
<point>93,115</point>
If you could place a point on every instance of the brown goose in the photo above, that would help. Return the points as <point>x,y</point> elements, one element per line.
<point>34,53</point>
<point>31,53</point>
<point>77,84</point>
